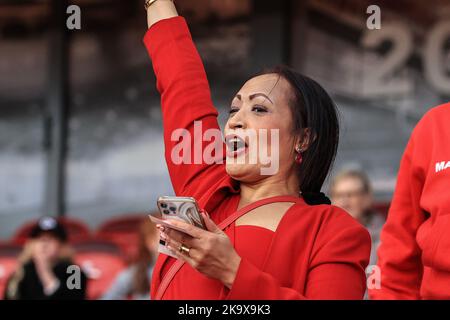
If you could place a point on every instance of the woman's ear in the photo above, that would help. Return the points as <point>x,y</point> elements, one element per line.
<point>306,139</point>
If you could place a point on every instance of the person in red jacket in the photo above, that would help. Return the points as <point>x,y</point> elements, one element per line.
<point>291,245</point>
<point>414,255</point>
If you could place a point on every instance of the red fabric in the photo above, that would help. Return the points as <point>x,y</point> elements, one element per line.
<point>317,252</point>
<point>253,243</point>
<point>415,242</point>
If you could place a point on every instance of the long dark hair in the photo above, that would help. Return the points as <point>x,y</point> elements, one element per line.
<point>312,109</point>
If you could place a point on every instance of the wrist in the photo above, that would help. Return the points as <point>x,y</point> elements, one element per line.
<point>159,10</point>
<point>231,273</point>
<point>51,286</point>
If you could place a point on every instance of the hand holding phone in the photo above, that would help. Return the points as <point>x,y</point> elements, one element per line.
<point>178,208</point>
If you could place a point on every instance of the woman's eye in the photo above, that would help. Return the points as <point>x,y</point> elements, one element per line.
<point>259,109</point>
<point>233,110</point>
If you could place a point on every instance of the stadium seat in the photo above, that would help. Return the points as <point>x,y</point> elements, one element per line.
<point>102,261</point>
<point>8,262</point>
<point>125,223</point>
<point>76,229</point>
<point>124,231</point>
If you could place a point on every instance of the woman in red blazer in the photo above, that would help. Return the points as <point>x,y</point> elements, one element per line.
<point>293,244</point>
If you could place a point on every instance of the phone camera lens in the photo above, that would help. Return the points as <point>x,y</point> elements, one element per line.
<point>166,211</point>
<point>163,205</point>
<point>173,209</point>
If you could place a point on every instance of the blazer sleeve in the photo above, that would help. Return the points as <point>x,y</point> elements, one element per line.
<point>338,265</point>
<point>399,256</point>
<point>187,109</point>
<point>336,271</point>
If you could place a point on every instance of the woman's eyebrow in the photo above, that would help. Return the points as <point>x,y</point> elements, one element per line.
<point>252,96</point>
<point>259,94</point>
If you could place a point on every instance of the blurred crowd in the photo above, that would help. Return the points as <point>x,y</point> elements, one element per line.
<point>60,258</point>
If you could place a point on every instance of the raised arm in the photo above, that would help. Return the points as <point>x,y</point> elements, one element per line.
<point>185,99</point>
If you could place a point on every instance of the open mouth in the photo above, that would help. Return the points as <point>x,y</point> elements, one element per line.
<point>235,145</point>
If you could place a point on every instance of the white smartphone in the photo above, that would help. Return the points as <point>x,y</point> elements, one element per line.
<point>179,208</point>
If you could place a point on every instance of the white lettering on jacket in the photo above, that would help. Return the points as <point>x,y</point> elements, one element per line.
<point>440,166</point>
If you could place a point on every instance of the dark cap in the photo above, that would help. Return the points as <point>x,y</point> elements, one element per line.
<point>51,226</point>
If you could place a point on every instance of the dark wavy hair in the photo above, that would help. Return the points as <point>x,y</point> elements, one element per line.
<point>313,109</point>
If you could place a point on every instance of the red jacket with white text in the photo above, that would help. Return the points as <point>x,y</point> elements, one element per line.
<point>414,255</point>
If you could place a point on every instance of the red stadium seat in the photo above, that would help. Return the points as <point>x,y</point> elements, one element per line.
<point>124,231</point>
<point>128,243</point>
<point>102,261</point>
<point>8,262</point>
<point>125,223</point>
<point>76,229</point>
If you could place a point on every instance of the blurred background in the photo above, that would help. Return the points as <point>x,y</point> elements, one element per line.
<point>80,121</point>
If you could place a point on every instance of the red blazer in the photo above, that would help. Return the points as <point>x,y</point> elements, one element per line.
<point>317,252</point>
<point>414,256</point>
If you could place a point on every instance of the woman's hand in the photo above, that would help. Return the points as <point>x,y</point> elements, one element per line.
<point>48,279</point>
<point>159,10</point>
<point>43,264</point>
<point>40,256</point>
<point>210,251</point>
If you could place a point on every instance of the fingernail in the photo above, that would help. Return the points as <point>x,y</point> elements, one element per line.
<point>205,214</point>
<point>163,235</point>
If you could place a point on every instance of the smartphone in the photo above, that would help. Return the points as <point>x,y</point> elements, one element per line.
<point>180,208</point>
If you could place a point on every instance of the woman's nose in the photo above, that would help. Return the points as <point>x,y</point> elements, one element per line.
<point>236,125</point>
<point>237,121</point>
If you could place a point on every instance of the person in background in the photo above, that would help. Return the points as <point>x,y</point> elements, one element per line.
<point>351,191</point>
<point>134,282</point>
<point>414,257</point>
<point>44,267</point>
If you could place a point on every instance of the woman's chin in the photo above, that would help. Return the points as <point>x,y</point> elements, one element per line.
<point>242,172</point>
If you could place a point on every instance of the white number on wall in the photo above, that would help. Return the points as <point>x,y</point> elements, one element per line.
<point>434,58</point>
<point>381,77</point>
<point>387,77</point>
